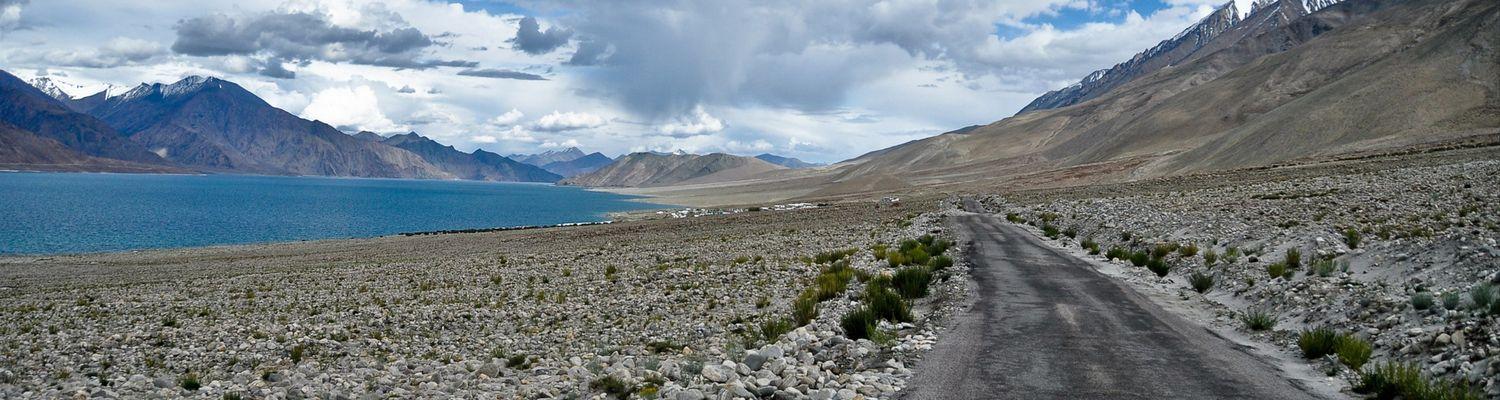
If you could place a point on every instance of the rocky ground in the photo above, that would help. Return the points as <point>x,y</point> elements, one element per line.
<point>1393,256</point>
<point>668,308</point>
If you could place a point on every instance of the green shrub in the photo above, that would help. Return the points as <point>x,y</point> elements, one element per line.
<point>1351,238</point>
<point>1258,320</point>
<point>1390,380</point>
<point>1277,270</point>
<point>879,251</point>
<point>1293,258</point>
<point>1317,342</point>
<point>612,387</point>
<point>297,353</point>
<point>917,256</point>
<point>1201,282</point>
<point>939,247</point>
<point>1324,268</point>
<point>1116,253</point>
<point>895,259</point>
<point>911,282</point>
<point>858,324</point>
<point>1090,245</point>
<point>773,329</point>
<point>1483,295</point>
<point>1014,218</point>
<point>1070,232</point>
<point>189,381</point>
<point>1159,266</point>
<point>1139,259</point>
<point>1162,250</point>
<point>1050,231</point>
<point>1188,251</point>
<point>1353,351</point>
<point>1451,300</point>
<point>886,305</point>
<point>1231,254</point>
<point>1421,300</point>
<point>940,263</point>
<point>1210,257</point>
<point>805,308</point>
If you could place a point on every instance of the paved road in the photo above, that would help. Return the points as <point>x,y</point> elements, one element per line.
<point>1046,325</point>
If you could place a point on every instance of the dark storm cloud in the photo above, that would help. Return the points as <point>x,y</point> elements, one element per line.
<point>531,39</point>
<point>501,74</point>
<point>590,52</point>
<point>274,69</point>
<point>302,37</point>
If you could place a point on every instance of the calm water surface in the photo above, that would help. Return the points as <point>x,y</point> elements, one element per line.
<point>71,213</point>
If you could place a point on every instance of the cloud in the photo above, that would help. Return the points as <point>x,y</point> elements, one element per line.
<point>303,36</point>
<point>485,139</point>
<point>116,52</point>
<point>10,14</point>
<point>508,118</point>
<point>567,121</point>
<point>406,90</point>
<point>589,52</point>
<point>532,40</point>
<point>350,109</point>
<point>501,74</point>
<point>698,123</point>
<point>560,145</point>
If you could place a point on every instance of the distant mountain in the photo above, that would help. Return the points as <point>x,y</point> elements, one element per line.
<point>549,156</point>
<point>785,161</point>
<point>369,136</point>
<point>579,166</point>
<point>216,125</point>
<point>657,169</point>
<point>29,109</point>
<point>1234,21</point>
<point>481,165</point>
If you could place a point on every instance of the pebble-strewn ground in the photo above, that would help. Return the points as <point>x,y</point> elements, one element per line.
<point>1423,231</point>
<point>669,308</point>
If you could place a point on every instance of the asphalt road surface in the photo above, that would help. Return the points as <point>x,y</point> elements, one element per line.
<point>1046,325</point>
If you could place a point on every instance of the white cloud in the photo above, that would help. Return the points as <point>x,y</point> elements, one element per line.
<point>350,108</point>
<point>484,139</point>
<point>563,145</point>
<point>516,133</point>
<point>508,118</point>
<point>567,121</point>
<point>700,122</point>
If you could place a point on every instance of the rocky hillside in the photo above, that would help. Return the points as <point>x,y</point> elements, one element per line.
<point>1232,23</point>
<point>1355,76</point>
<point>215,125</point>
<point>657,169</point>
<point>476,166</point>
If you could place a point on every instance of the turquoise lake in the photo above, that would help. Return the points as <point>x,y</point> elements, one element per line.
<point>44,213</point>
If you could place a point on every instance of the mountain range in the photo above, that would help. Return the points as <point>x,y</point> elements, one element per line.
<point>649,169</point>
<point>212,125</point>
<point>567,162</point>
<point>786,161</point>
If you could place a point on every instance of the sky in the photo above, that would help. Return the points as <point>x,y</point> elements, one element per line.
<point>822,80</point>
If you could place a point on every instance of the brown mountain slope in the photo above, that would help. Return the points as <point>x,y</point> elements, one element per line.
<point>27,108</point>
<point>1355,76</point>
<point>23,150</point>
<point>656,169</point>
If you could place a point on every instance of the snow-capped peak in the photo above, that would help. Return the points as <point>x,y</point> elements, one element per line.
<point>185,86</point>
<point>1242,8</point>
<point>53,88</point>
